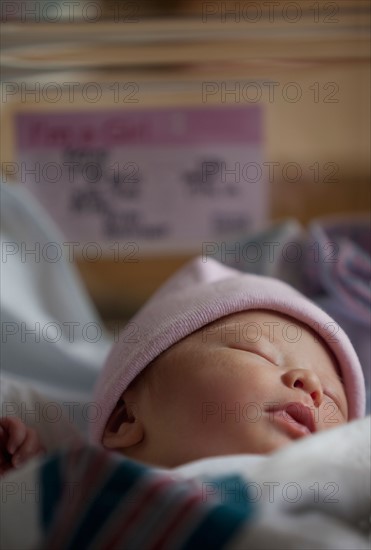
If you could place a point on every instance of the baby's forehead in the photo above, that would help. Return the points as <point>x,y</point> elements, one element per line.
<point>264,327</point>
<point>251,325</point>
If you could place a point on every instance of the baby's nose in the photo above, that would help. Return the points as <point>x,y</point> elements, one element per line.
<point>307,381</point>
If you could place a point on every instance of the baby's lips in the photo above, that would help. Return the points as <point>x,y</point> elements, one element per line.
<point>303,414</point>
<point>300,413</point>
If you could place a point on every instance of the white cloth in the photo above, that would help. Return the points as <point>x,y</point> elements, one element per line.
<point>315,493</point>
<point>48,322</point>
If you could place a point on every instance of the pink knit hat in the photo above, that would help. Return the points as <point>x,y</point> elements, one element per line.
<point>199,293</point>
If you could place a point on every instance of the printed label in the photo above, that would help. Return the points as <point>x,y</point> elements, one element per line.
<point>167,179</point>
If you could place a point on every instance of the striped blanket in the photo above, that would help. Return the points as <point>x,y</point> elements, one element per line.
<point>313,494</point>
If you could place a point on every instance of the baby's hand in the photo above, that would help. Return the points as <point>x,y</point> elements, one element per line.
<point>18,443</point>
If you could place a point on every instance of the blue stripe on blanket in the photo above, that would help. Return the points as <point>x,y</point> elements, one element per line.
<point>120,497</point>
<point>51,483</point>
<point>112,493</point>
<point>223,520</point>
<point>216,530</point>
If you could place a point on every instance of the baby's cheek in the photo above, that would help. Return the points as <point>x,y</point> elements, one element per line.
<point>328,415</point>
<point>218,404</point>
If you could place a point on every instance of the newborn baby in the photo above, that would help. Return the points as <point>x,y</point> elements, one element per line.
<point>221,362</point>
<point>215,394</point>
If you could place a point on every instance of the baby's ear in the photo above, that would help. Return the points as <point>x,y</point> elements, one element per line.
<point>124,428</point>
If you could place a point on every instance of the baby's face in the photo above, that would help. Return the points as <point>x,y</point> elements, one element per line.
<point>251,382</point>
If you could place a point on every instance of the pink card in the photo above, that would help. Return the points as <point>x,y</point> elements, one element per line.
<point>167,179</point>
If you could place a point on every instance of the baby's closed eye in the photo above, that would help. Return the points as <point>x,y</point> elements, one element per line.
<point>268,355</point>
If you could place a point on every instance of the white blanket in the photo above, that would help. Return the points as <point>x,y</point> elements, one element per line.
<point>315,493</point>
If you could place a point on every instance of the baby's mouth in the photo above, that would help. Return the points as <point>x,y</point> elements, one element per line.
<point>294,417</point>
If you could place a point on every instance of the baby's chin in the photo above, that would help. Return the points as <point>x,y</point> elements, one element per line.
<point>173,458</point>
<point>175,462</point>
